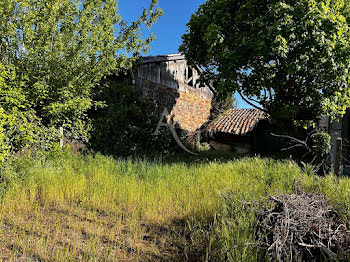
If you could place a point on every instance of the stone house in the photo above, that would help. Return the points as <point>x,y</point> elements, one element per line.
<point>172,84</point>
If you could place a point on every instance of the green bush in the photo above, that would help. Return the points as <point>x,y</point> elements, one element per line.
<point>322,144</point>
<point>125,124</point>
<point>19,126</point>
<point>61,50</point>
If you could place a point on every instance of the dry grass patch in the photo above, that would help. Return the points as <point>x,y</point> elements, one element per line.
<point>75,233</point>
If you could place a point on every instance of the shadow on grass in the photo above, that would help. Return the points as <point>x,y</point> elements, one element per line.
<point>202,157</point>
<point>188,243</point>
<point>85,234</point>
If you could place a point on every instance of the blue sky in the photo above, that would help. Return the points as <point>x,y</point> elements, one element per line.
<point>170,27</point>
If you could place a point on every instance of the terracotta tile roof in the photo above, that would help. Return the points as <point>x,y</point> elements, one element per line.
<point>237,121</point>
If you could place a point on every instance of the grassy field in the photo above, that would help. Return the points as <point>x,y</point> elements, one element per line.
<point>64,207</point>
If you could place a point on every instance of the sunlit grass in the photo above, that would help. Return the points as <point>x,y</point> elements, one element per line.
<point>91,207</point>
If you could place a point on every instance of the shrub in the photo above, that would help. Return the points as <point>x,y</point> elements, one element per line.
<point>19,125</point>
<point>125,123</point>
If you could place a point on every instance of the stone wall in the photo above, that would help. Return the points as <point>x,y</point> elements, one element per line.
<point>186,107</point>
<point>171,83</point>
<point>163,96</point>
<point>191,111</point>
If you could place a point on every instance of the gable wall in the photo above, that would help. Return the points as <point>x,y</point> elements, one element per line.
<point>174,85</point>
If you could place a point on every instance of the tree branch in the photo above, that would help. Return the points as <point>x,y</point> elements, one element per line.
<point>250,103</point>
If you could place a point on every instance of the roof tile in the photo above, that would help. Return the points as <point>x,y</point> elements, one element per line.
<point>237,121</point>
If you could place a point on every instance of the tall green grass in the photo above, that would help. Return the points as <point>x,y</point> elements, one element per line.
<point>141,187</point>
<point>205,193</point>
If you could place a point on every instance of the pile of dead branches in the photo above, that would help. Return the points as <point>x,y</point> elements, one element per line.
<point>302,228</point>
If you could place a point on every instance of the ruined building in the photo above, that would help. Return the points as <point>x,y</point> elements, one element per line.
<point>169,81</point>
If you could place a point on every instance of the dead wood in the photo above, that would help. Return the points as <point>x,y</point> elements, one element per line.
<point>302,227</point>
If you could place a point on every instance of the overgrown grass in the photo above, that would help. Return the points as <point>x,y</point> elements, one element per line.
<point>71,207</point>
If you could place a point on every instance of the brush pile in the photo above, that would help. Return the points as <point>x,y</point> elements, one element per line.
<point>302,228</point>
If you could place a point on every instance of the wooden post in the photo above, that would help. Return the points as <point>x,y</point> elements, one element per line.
<point>337,158</point>
<point>61,137</point>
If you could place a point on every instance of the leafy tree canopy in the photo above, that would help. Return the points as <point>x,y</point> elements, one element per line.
<point>289,57</point>
<point>53,54</point>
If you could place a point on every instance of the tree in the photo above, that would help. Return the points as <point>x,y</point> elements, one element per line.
<point>220,104</point>
<point>60,50</point>
<point>126,124</point>
<point>290,58</point>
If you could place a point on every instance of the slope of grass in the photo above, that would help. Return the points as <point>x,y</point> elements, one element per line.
<point>90,207</point>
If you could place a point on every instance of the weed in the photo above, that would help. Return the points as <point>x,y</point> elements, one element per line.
<point>92,207</point>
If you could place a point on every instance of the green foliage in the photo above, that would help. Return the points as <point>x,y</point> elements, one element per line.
<point>220,104</point>
<point>321,148</point>
<point>127,121</point>
<point>53,54</point>
<point>291,57</point>
<point>19,126</point>
<point>322,144</point>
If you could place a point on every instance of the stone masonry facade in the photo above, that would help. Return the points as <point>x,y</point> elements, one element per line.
<point>191,111</point>
<point>172,84</point>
